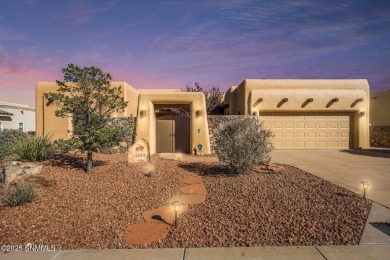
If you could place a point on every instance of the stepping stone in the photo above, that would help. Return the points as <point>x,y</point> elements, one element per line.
<point>188,199</point>
<point>146,233</point>
<point>192,180</point>
<point>163,214</point>
<point>194,189</point>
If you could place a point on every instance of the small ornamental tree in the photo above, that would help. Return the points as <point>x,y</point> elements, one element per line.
<point>243,143</point>
<point>87,97</point>
<point>214,97</point>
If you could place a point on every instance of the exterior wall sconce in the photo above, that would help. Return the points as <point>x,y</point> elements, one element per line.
<point>198,113</point>
<point>142,113</point>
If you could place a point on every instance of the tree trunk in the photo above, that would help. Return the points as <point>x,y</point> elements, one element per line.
<point>89,162</point>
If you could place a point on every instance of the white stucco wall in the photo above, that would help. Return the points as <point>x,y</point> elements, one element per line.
<point>21,114</point>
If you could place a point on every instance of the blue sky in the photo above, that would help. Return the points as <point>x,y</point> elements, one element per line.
<point>168,44</point>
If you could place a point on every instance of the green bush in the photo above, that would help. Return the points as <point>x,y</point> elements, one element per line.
<point>243,143</point>
<point>7,139</point>
<point>65,146</point>
<point>33,148</point>
<point>19,195</point>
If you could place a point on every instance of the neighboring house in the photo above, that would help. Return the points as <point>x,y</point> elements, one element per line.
<point>314,114</point>
<point>380,118</point>
<point>303,114</point>
<point>17,116</point>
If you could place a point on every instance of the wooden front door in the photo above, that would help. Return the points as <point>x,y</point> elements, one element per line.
<point>172,134</point>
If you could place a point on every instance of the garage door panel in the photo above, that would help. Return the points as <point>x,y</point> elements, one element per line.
<point>309,130</point>
<point>310,125</point>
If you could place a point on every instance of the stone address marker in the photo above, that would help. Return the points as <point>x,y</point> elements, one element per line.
<point>139,152</point>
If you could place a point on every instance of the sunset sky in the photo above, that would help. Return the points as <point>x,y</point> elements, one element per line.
<point>168,44</point>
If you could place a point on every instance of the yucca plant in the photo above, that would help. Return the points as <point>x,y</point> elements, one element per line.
<point>33,148</point>
<point>21,194</point>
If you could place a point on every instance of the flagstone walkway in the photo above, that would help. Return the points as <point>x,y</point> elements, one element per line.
<point>159,221</point>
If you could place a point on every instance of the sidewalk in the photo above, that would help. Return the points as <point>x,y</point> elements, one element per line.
<point>282,252</point>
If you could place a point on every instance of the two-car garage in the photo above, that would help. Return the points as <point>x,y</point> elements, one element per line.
<point>306,113</point>
<point>309,130</point>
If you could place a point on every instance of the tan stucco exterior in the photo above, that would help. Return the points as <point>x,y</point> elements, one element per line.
<point>255,96</point>
<point>138,101</point>
<point>380,108</point>
<point>146,125</point>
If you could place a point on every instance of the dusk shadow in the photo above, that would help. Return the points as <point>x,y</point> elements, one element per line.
<point>209,170</point>
<point>159,218</point>
<point>72,161</point>
<point>370,152</point>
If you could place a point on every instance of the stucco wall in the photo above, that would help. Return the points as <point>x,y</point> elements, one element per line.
<point>380,108</point>
<point>146,124</point>
<point>254,95</point>
<point>48,123</point>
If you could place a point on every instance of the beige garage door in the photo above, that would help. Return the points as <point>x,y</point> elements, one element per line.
<point>309,130</point>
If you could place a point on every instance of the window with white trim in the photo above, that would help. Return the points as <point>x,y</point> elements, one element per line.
<point>21,127</point>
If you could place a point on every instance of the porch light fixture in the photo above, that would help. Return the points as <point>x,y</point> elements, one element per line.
<point>142,113</point>
<point>198,113</point>
<point>176,206</point>
<point>365,185</point>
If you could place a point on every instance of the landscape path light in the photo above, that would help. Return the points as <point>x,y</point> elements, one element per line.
<point>176,206</point>
<point>365,185</point>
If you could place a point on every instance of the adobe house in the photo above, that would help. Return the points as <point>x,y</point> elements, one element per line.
<point>303,114</point>
<point>164,132</point>
<point>314,114</point>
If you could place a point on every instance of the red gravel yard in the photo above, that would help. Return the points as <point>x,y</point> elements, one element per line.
<point>279,205</point>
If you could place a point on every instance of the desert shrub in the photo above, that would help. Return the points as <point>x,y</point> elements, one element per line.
<point>243,143</point>
<point>33,148</point>
<point>65,146</point>
<point>8,137</point>
<point>21,194</point>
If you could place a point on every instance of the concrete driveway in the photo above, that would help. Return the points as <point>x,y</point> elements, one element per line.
<point>346,168</point>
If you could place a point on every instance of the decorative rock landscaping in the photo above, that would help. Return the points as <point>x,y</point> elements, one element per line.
<point>274,205</point>
<point>13,171</point>
<point>155,229</point>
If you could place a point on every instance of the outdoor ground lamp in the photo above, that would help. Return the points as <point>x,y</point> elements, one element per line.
<point>365,185</point>
<point>176,206</point>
